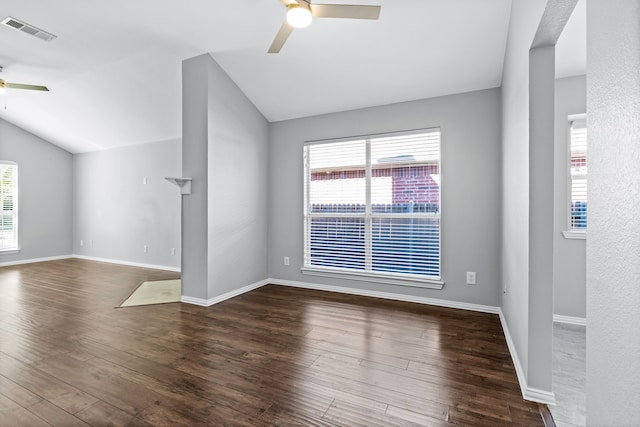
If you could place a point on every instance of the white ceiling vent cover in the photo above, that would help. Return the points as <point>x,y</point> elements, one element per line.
<point>29,29</point>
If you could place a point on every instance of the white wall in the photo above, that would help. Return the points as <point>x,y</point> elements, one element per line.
<point>44,194</point>
<point>569,262</point>
<point>225,140</point>
<point>116,214</point>
<point>613,248</point>
<point>470,180</point>
<point>525,17</point>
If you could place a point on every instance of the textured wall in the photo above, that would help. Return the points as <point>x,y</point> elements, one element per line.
<point>613,248</point>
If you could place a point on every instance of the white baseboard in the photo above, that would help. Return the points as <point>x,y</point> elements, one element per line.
<point>132,264</point>
<point>387,295</point>
<point>580,321</point>
<point>343,290</point>
<point>528,393</point>
<point>31,261</point>
<point>542,396</point>
<point>211,301</point>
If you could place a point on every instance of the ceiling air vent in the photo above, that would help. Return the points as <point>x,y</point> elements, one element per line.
<point>29,29</point>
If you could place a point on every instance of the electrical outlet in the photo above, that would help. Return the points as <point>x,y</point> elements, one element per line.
<point>91,243</point>
<point>144,180</point>
<point>145,249</point>
<point>81,242</point>
<point>471,277</point>
<point>286,260</point>
<point>173,251</point>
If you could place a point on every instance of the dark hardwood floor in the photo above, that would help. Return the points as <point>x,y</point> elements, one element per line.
<point>275,356</point>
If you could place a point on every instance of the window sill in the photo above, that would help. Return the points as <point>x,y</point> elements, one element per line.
<point>9,251</point>
<point>388,279</point>
<point>575,235</point>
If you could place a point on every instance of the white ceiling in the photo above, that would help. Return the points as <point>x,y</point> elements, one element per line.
<point>571,48</point>
<point>115,69</point>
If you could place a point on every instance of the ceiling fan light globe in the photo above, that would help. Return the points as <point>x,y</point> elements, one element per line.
<point>298,17</point>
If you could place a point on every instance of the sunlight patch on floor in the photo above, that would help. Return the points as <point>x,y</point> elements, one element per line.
<point>154,292</point>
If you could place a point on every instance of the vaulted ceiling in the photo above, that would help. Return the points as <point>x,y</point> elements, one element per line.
<point>114,70</point>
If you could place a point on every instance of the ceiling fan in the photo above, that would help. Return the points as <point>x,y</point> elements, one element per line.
<point>301,12</point>
<point>6,85</point>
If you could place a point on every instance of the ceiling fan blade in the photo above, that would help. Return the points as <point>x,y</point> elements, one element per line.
<point>351,11</point>
<point>282,36</point>
<point>28,87</point>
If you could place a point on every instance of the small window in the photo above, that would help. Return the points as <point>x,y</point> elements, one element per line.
<point>9,206</point>
<point>372,205</point>
<point>578,174</point>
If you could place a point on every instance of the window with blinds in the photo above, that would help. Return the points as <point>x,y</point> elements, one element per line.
<point>9,206</point>
<point>578,171</point>
<point>373,205</point>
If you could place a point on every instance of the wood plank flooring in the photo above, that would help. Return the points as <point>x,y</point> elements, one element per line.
<point>274,356</point>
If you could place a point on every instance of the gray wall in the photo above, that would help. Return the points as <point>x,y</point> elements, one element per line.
<point>613,248</point>
<point>541,147</point>
<point>116,213</point>
<point>525,17</point>
<point>470,125</point>
<point>238,162</point>
<point>569,263</point>
<point>195,210</point>
<point>225,141</point>
<point>44,191</point>
<point>529,201</point>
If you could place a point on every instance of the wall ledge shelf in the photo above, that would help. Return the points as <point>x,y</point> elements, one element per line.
<point>183,183</point>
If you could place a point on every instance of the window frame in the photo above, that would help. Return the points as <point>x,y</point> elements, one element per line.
<point>570,232</point>
<point>14,211</point>
<point>392,278</point>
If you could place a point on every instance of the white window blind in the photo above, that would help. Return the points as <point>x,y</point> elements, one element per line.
<point>373,205</point>
<point>8,206</point>
<point>578,170</point>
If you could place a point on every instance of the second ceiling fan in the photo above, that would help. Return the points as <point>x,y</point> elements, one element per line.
<point>6,85</point>
<point>301,12</point>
